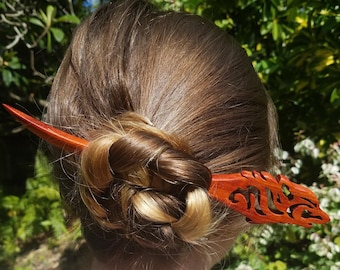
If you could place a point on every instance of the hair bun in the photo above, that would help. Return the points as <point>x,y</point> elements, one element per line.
<point>163,159</point>
<point>145,182</point>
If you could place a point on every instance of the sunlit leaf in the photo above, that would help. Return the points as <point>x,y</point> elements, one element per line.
<point>36,22</point>
<point>50,14</point>
<point>337,241</point>
<point>278,265</point>
<point>276,30</point>
<point>68,19</point>
<point>43,17</point>
<point>335,96</point>
<point>48,193</point>
<point>58,34</point>
<point>9,202</point>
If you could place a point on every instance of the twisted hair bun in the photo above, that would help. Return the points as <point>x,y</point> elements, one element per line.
<point>137,179</point>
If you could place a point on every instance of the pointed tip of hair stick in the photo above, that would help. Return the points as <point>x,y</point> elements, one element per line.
<point>48,133</point>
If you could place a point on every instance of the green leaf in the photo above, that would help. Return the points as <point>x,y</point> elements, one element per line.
<point>26,227</point>
<point>278,265</point>
<point>291,236</point>
<point>10,202</point>
<point>335,95</point>
<point>337,241</point>
<point>57,33</point>
<point>68,19</point>
<point>42,167</point>
<point>7,76</point>
<point>276,30</point>
<point>43,17</point>
<point>49,193</point>
<point>49,42</point>
<point>50,14</point>
<point>14,63</point>
<point>36,22</point>
<point>265,28</point>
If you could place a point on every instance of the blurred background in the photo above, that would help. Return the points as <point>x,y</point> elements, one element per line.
<point>295,48</point>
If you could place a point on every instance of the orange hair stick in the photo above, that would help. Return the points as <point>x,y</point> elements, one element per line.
<point>260,197</point>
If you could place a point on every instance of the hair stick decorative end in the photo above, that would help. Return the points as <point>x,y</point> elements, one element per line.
<point>263,198</point>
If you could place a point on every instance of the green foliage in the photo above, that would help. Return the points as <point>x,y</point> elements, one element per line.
<point>47,20</point>
<point>34,215</point>
<point>34,36</point>
<point>34,39</point>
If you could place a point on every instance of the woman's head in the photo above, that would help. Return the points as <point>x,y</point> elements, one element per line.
<point>165,99</point>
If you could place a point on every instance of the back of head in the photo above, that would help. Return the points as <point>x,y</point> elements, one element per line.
<point>165,99</point>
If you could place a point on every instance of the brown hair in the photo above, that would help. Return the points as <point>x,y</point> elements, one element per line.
<point>165,99</point>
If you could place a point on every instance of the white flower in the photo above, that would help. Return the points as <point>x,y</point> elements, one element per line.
<point>328,168</point>
<point>336,266</point>
<point>324,203</point>
<point>295,170</point>
<point>315,237</point>
<point>298,163</point>
<point>334,193</point>
<point>281,154</point>
<point>315,152</point>
<point>284,155</point>
<point>243,266</point>
<point>307,147</point>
